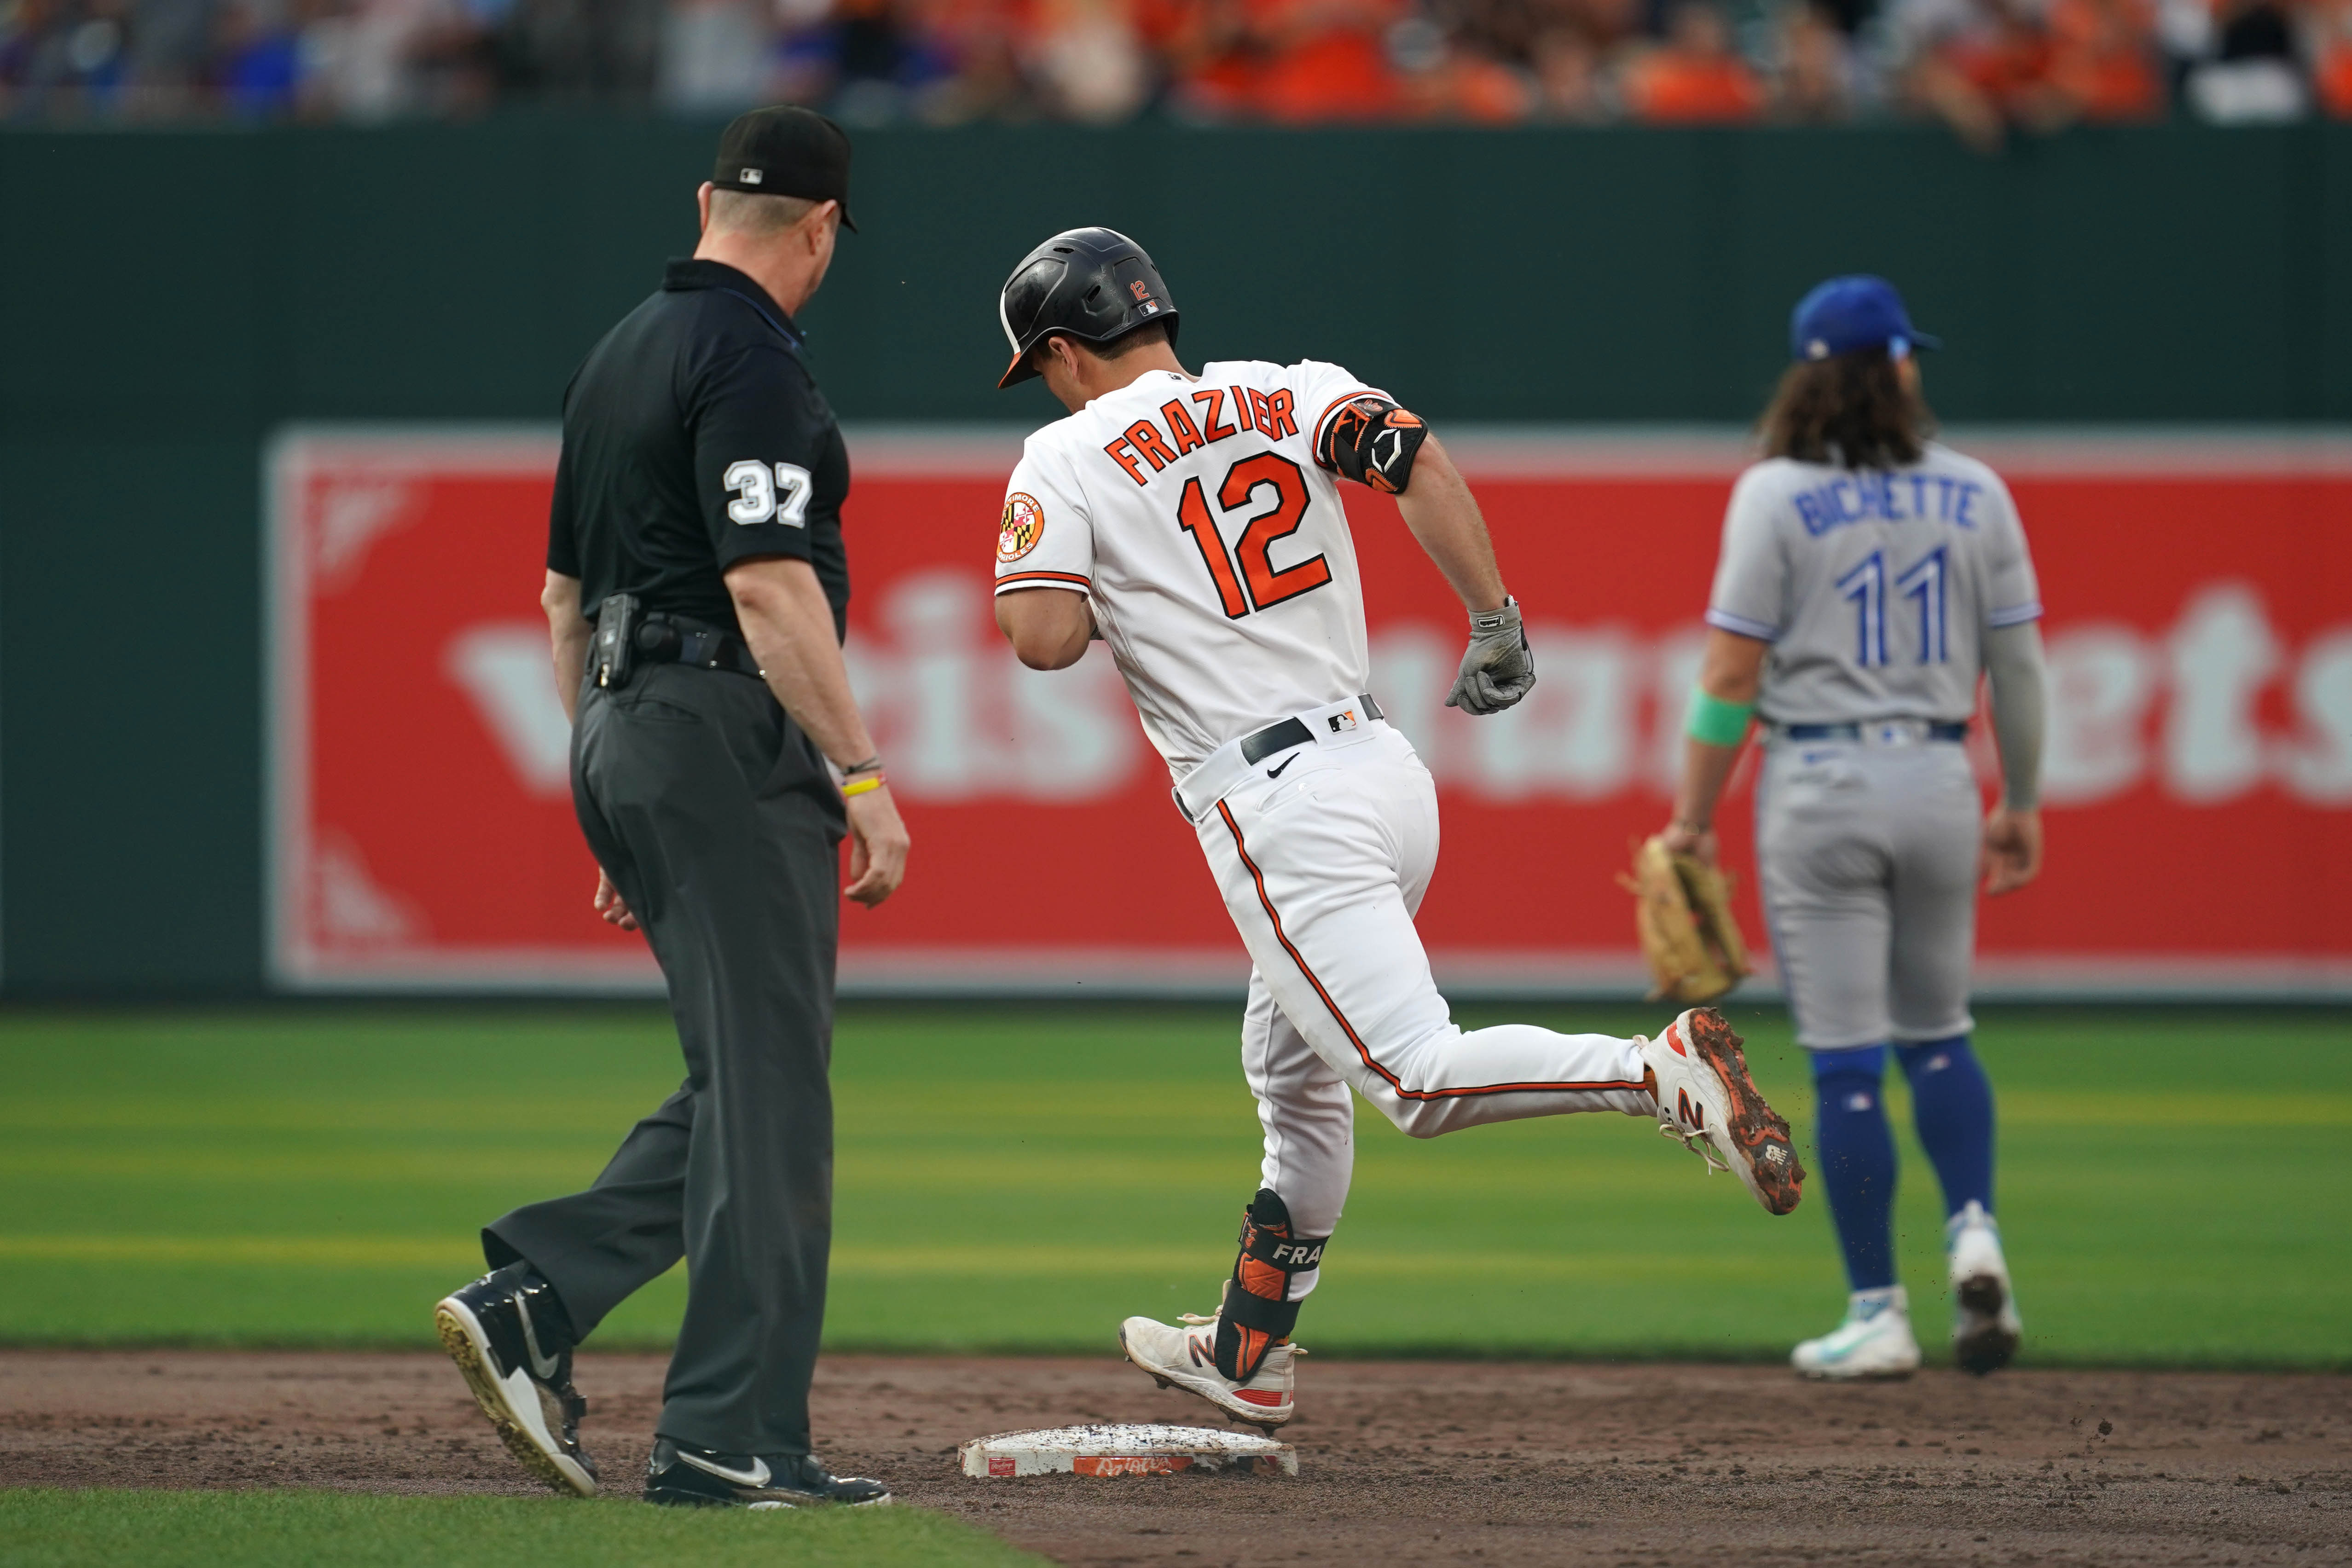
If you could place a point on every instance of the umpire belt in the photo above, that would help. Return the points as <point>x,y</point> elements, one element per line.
<point>1878,731</point>
<point>662,639</point>
<point>1342,723</point>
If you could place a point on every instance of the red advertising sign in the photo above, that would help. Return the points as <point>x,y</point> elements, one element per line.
<point>2199,766</point>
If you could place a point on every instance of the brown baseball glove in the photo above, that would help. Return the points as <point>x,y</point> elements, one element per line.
<point>1681,913</point>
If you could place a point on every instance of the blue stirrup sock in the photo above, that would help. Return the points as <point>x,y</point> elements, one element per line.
<point>1857,1154</point>
<point>1951,1104</point>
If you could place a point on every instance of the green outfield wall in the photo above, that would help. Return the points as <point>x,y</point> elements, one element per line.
<point>166,299</point>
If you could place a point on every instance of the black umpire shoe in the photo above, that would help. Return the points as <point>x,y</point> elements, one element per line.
<point>510,1335</point>
<point>697,1478</point>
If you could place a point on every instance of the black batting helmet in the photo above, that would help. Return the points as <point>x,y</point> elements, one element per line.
<point>1093,285</point>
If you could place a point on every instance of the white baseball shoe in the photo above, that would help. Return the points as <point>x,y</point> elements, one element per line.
<point>1186,1358</point>
<point>1874,1341</point>
<point>1985,1324</point>
<point>1706,1099</point>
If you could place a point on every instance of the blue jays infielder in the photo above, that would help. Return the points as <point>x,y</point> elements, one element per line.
<point>1868,575</point>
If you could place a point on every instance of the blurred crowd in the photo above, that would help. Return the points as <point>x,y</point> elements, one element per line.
<point>1985,67</point>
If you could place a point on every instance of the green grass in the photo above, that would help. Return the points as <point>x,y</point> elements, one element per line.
<point>50,1528</point>
<point>2172,1184</point>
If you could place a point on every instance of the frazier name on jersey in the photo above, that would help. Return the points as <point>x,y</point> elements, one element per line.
<point>1212,547</point>
<point>1267,413</point>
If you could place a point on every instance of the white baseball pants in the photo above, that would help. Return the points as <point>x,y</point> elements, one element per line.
<point>1323,854</point>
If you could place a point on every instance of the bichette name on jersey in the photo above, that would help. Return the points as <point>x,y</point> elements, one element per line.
<point>1874,588</point>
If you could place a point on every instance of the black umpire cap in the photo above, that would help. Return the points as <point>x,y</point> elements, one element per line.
<point>785,152</point>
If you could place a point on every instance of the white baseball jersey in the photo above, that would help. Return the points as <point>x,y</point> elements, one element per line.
<point>1216,555</point>
<point>1214,548</point>
<point>1874,588</point>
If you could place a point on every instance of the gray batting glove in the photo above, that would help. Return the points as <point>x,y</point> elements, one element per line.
<point>1499,667</point>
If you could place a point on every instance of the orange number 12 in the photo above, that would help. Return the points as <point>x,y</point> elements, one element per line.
<point>1267,587</point>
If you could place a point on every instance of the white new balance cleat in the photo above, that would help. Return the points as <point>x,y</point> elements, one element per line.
<point>1874,1341</point>
<point>1706,1099</point>
<point>1186,1358</point>
<point>1985,1325</point>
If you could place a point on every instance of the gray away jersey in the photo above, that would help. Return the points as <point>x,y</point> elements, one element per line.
<point>1873,587</point>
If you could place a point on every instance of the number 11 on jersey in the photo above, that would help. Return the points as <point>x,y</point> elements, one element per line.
<point>1865,585</point>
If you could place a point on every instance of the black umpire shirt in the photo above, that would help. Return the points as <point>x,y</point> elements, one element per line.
<point>694,438</point>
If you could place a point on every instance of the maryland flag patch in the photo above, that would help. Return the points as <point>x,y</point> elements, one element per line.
<point>1022,526</point>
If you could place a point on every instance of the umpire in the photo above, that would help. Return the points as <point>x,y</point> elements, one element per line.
<point>697,590</point>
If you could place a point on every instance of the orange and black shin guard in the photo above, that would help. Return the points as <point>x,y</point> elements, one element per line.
<point>1258,1313</point>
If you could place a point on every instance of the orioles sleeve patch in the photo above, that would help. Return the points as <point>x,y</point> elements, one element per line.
<point>1022,526</point>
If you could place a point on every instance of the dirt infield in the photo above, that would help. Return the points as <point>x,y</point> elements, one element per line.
<point>1400,1462</point>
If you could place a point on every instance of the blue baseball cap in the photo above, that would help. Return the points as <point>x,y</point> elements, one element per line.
<point>1857,311</point>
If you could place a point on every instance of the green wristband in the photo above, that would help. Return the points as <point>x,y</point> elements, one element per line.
<point>1716,722</point>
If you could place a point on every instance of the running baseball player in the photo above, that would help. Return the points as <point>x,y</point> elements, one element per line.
<point>1868,576</point>
<point>1193,524</point>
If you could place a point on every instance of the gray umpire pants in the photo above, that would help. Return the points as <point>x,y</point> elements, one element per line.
<point>714,818</point>
<point>1868,856</point>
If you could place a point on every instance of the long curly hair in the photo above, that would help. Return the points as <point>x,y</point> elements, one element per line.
<point>1851,410</point>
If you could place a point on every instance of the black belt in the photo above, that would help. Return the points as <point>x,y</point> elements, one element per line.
<point>1292,732</point>
<point>676,640</point>
<point>1853,731</point>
